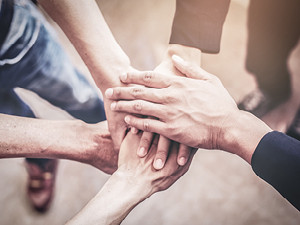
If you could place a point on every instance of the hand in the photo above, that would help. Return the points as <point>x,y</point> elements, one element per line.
<point>193,112</point>
<point>117,126</point>
<point>98,150</point>
<point>167,67</point>
<point>134,181</point>
<point>140,170</point>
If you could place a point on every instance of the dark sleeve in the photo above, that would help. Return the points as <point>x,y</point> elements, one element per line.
<point>277,161</point>
<point>199,23</point>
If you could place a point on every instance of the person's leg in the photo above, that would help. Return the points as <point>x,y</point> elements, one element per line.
<point>273,27</point>
<point>41,171</point>
<point>32,59</point>
<point>11,104</point>
<point>22,34</point>
<point>47,71</point>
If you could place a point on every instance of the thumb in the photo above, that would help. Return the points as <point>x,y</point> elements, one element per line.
<point>189,69</point>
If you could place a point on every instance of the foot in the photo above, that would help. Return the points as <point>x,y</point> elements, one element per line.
<point>294,129</point>
<point>41,181</point>
<point>259,102</point>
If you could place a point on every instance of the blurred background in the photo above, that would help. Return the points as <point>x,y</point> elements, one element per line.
<point>219,188</point>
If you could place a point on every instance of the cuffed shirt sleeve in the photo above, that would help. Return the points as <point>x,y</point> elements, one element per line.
<point>277,161</point>
<point>199,23</point>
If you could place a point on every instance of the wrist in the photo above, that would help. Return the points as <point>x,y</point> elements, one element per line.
<point>117,197</point>
<point>136,184</point>
<point>241,134</point>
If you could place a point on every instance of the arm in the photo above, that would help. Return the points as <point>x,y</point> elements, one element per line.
<point>73,140</point>
<point>83,23</point>
<point>208,117</point>
<point>277,161</point>
<point>197,112</point>
<point>134,181</point>
<point>198,24</point>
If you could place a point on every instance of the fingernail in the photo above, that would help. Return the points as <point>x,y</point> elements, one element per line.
<point>134,130</point>
<point>177,58</point>
<point>127,119</point>
<point>123,77</point>
<point>182,161</point>
<point>109,92</point>
<point>113,106</point>
<point>158,164</point>
<point>142,151</point>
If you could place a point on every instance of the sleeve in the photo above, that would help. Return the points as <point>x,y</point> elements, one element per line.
<point>199,23</point>
<point>277,161</point>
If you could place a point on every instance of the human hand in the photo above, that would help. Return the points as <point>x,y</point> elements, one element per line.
<point>98,149</point>
<point>193,112</point>
<point>140,171</point>
<point>167,67</point>
<point>116,124</point>
<point>134,181</point>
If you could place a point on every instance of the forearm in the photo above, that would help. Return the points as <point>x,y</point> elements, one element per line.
<point>242,133</point>
<point>26,137</point>
<point>198,23</point>
<point>113,202</point>
<point>86,28</point>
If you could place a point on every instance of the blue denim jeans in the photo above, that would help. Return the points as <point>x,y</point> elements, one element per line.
<point>32,58</point>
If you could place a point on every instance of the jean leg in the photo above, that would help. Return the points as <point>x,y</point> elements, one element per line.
<point>46,70</point>
<point>11,104</point>
<point>57,81</point>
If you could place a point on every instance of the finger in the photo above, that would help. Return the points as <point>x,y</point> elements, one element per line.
<point>183,154</point>
<point>148,79</point>
<point>171,166</point>
<point>132,93</point>
<point>134,130</point>
<point>147,124</point>
<point>145,143</point>
<point>140,107</point>
<point>191,70</point>
<point>149,158</point>
<point>162,152</point>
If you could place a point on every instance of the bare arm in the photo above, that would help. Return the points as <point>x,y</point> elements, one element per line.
<point>197,112</point>
<point>73,140</point>
<point>134,181</point>
<point>83,23</point>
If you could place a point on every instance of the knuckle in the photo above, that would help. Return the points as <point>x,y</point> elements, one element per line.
<point>145,141</point>
<point>117,92</point>
<point>137,106</point>
<point>161,153</point>
<point>146,125</point>
<point>136,92</point>
<point>148,77</point>
<point>171,98</point>
<point>170,112</point>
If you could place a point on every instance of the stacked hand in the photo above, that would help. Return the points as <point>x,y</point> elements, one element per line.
<point>118,127</point>
<point>190,111</point>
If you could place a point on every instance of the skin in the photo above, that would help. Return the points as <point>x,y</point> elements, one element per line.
<point>133,182</point>
<point>198,112</point>
<point>73,140</point>
<point>76,140</point>
<point>167,67</point>
<point>84,24</point>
